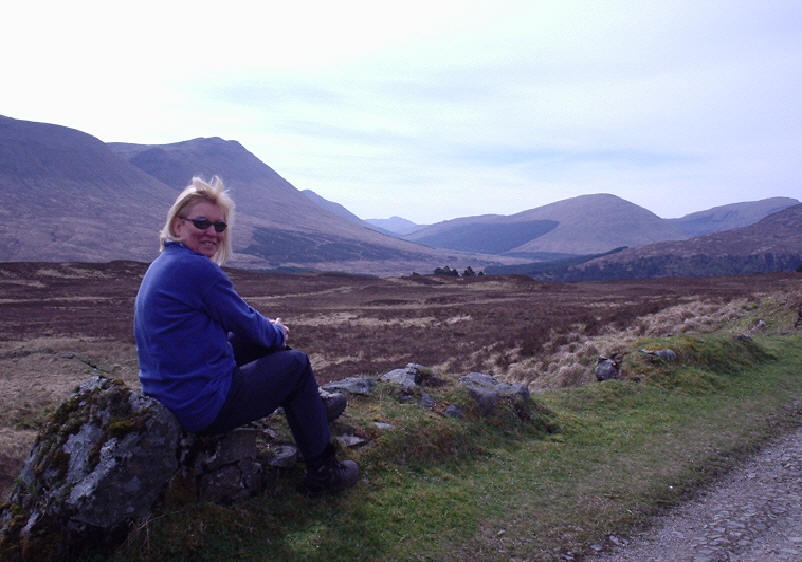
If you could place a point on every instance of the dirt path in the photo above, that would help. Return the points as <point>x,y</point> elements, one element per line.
<point>753,514</point>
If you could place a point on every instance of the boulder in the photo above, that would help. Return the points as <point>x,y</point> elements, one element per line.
<point>489,392</point>
<point>107,457</point>
<point>605,369</point>
<point>407,377</point>
<point>351,385</point>
<point>101,461</point>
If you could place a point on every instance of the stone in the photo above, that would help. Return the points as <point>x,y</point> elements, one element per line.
<point>283,456</point>
<point>453,411</point>
<point>225,466</point>
<point>350,440</point>
<point>107,457</point>
<point>101,461</point>
<point>401,377</point>
<point>351,385</point>
<point>606,369</point>
<point>661,354</point>
<point>334,402</point>
<point>488,392</point>
<point>426,400</point>
<point>410,376</point>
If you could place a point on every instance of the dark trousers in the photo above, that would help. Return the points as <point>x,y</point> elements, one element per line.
<point>266,379</point>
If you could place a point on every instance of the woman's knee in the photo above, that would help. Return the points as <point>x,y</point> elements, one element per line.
<point>300,357</point>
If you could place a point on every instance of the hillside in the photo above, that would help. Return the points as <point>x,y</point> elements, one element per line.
<point>580,225</point>
<point>396,225</point>
<point>66,196</point>
<point>727,217</point>
<point>277,225</point>
<point>70,196</point>
<point>772,244</point>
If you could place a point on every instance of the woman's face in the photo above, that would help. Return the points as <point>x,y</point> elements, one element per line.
<point>205,241</point>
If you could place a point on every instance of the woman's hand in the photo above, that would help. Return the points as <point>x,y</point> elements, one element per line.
<point>284,329</point>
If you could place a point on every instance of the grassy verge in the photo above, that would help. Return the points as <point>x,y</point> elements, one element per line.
<point>464,489</point>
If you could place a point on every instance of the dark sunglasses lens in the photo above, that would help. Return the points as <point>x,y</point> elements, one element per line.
<point>203,224</point>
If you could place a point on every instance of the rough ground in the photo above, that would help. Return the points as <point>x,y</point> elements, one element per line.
<point>753,514</point>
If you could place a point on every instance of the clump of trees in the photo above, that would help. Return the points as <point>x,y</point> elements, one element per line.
<point>446,270</point>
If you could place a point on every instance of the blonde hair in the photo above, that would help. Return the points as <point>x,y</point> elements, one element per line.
<point>213,192</point>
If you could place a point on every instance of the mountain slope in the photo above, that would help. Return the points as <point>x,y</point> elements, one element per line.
<point>727,217</point>
<point>70,197</point>
<point>587,224</point>
<point>277,225</point>
<point>397,225</point>
<point>772,244</point>
<point>67,197</point>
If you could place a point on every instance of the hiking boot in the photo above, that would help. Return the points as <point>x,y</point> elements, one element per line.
<point>328,475</point>
<point>335,403</point>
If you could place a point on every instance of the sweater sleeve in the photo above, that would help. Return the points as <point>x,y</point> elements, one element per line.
<point>228,308</point>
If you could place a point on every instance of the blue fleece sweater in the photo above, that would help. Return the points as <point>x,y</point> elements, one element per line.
<point>183,312</point>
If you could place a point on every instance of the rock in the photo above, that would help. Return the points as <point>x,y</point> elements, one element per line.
<point>107,457</point>
<point>661,354</point>
<point>350,440</point>
<point>402,377</point>
<point>426,400</point>
<point>453,411</point>
<point>410,376</point>
<point>352,385</point>
<point>283,456</point>
<point>101,461</point>
<point>225,466</point>
<point>488,392</point>
<point>335,403</point>
<point>605,369</point>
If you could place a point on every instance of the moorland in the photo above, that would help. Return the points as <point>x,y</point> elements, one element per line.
<point>64,322</point>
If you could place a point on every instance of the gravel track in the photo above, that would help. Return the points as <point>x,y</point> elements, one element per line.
<point>753,514</point>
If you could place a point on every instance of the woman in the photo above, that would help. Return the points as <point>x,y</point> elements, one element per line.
<point>211,359</point>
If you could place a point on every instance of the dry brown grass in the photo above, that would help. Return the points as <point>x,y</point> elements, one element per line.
<point>62,323</point>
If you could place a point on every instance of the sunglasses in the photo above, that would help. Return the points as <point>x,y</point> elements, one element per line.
<point>204,223</point>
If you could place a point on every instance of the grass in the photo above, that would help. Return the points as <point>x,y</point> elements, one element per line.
<point>471,489</point>
<point>442,488</point>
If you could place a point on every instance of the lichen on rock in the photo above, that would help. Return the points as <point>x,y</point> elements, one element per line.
<point>101,460</point>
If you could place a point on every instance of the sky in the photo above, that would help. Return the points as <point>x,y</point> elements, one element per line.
<point>432,110</point>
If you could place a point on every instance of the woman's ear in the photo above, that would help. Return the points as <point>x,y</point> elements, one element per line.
<point>176,227</point>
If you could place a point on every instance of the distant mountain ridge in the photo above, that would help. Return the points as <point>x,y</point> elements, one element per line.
<point>71,197</point>
<point>727,217</point>
<point>587,224</point>
<point>773,244</point>
<point>396,225</point>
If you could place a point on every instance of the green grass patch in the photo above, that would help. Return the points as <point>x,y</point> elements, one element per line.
<point>473,488</point>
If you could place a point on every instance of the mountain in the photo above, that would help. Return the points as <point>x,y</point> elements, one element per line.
<point>727,217</point>
<point>580,225</point>
<point>67,197</point>
<point>396,225</point>
<point>277,225</point>
<point>70,197</point>
<point>333,208</point>
<point>771,244</point>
